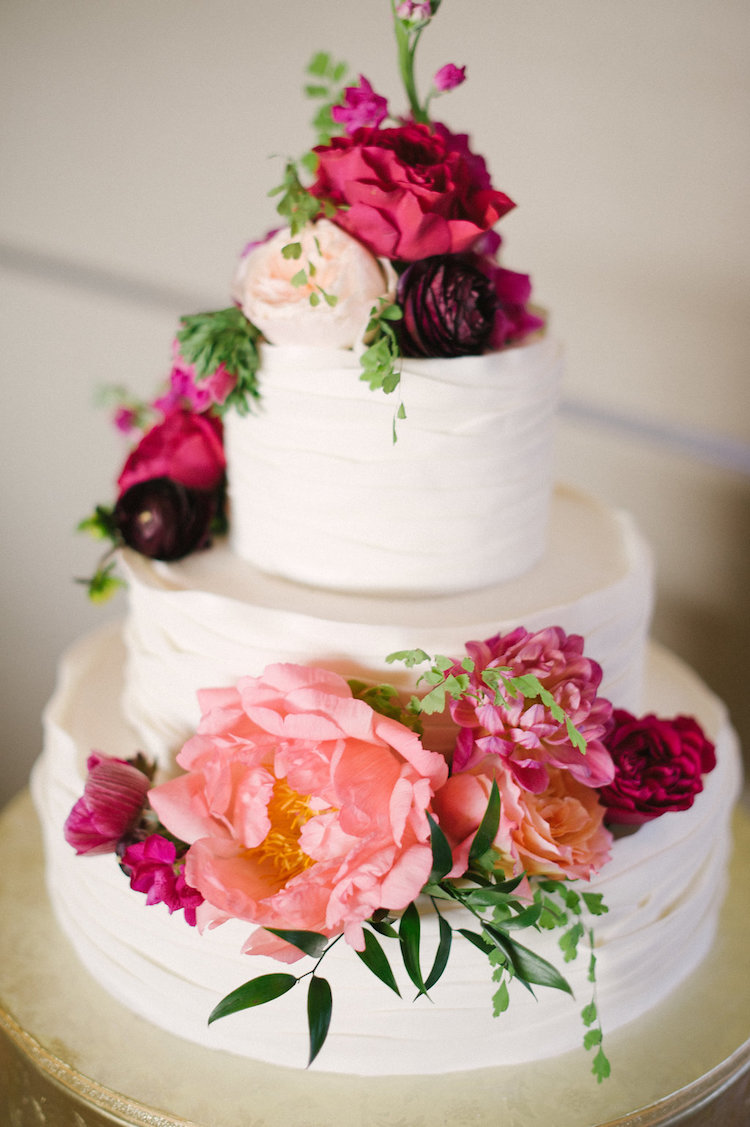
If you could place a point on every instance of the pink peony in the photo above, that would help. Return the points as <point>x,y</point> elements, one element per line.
<point>185,448</point>
<point>362,107</point>
<point>154,869</point>
<point>557,833</point>
<point>408,192</point>
<point>659,766</point>
<point>113,798</point>
<point>305,809</point>
<point>525,737</point>
<point>449,77</point>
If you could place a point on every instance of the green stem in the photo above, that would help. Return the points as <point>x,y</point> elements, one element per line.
<point>406,52</point>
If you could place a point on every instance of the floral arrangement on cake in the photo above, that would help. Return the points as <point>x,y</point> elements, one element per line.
<point>313,809</point>
<point>387,247</point>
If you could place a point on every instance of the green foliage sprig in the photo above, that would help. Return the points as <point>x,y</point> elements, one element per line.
<point>326,86</point>
<point>497,911</point>
<point>381,360</point>
<point>224,338</point>
<point>498,680</point>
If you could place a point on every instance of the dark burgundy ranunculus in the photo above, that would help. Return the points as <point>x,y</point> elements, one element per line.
<point>449,308</point>
<point>659,766</point>
<point>165,520</point>
<point>408,192</point>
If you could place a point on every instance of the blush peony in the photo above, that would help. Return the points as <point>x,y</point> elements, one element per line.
<point>659,765</point>
<point>558,833</point>
<point>409,192</point>
<point>524,736</point>
<point>343,269</point>
<point>304,808</point>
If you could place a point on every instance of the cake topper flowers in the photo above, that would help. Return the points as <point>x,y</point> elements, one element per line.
<point>387,248</point>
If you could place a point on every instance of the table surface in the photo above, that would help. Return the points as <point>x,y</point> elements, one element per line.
<point>69,1054</point>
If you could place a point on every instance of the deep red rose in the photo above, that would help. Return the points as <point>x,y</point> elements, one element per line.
<point>185,447</point>
<point>659,766</point>
<point>409,192</point>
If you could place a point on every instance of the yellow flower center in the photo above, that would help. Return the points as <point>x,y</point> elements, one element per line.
<point>288,811</point>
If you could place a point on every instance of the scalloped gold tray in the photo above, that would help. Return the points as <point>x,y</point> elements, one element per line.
<point>70,1056</point>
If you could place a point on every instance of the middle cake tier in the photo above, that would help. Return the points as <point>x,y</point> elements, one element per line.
<point>212,618</point>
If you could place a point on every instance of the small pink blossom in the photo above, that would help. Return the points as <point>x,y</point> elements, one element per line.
<point>126,419</point>
<point>155,870</point>
<point>449,77</point>
<point>111,804</point>
<point>362,107</point>
<point>305,809</point>
<point>185,390</point>
<point>522,735</point>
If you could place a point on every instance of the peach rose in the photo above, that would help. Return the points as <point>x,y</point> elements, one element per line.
<point>557,833</point>
<point>304,808</point>
<point>335,263</point>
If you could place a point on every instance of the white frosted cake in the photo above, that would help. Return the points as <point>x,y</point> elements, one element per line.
<point>554,782</point>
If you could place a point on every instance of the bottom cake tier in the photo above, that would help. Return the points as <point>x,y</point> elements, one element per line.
<point>664,887</point>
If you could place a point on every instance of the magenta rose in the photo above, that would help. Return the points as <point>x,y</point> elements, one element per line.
<point>185,447</point>
<point>659,766</point>
<point>408,192</point>
<point>113,798</point>
<point>304,808</point>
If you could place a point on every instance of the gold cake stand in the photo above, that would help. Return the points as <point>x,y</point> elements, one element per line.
<point>70,1056</point>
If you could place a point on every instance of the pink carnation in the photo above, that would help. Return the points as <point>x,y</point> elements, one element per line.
<point>305,809</point>
<point>111,804</point>
<point>185,447</point>
<point>558,833</point>
<point>524,737</point>
<point>409,192</point>
<point>155,870</point>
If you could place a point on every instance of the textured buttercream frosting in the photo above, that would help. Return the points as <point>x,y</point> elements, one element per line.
<point>321,494</point>
<point>213,618</point>
<point>664,886</point>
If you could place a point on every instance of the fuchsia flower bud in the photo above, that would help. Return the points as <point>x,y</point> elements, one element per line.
<point>449,77</point>
<point>112,802</point>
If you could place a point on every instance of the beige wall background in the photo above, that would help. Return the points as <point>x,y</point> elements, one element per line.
<point>137,143</point>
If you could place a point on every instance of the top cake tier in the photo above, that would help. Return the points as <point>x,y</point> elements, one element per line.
<point>320,493</point>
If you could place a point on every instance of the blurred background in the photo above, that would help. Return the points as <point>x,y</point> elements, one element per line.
<point>139,141</point>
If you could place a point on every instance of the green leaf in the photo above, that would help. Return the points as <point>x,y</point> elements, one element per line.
<point>409,935</point>
<point>500,999</point>
<point>256,992</point>
<point>589,1014</point>
<point>478,940</point>
<point>319,63</point>
<point>600,1066</point>
<point>319,1009</point>
<point>526,964</point>
<point>594,902</point>
<point>593,1037</point>
<point>101,524</point>
<point>292,250</point>
<point>309,942</point>
<point>442,858</point>
<point>103,584</point>
<point>376,960</point>
<point>223,338</point>
<point>442,954</point>
<point>410,658</point>
<point>383,927</point>
<point>488,827</point>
